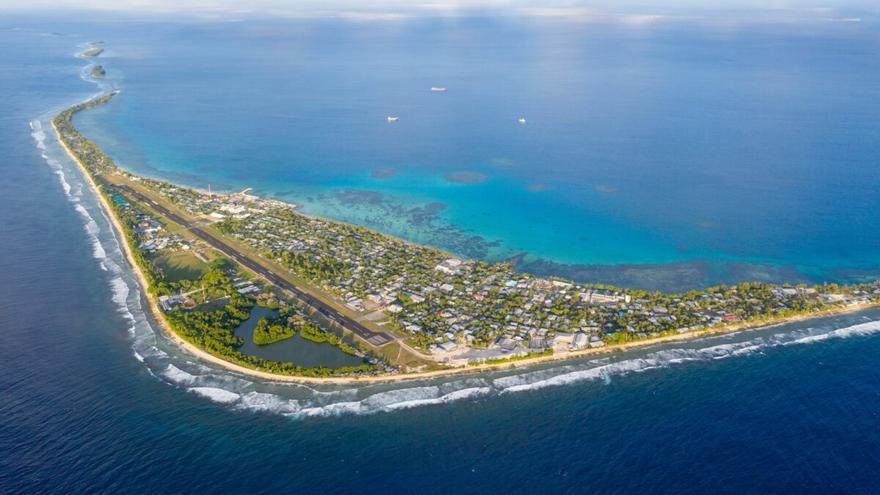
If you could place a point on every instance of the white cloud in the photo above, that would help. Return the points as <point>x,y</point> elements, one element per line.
<point>632,12</point>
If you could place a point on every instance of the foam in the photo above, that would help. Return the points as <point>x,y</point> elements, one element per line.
<point>668,357</point>
<point>216,394</point>
<point>92,229</point>
<point>335,409</point>
<point>297,400</point>
<point>98,250</point>
<point>600,372</point>
<point>394,400</point>
<point>263,402</point>
<point>64,185</point>
<point>655,360</point>
<point>862,329</point>
<point>38,134</point>
<point>467,393</point>
<point>177,375</point>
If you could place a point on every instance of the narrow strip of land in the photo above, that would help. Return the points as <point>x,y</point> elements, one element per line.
<point>471,316</point>
<point>375,338</point>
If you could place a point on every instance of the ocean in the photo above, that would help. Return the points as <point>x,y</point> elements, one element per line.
<point>94,400</point>
<point>660,156</point>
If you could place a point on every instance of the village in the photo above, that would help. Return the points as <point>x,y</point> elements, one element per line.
<point>464,312</point>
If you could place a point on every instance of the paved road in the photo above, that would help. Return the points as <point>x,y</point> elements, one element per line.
<point>375,338</point>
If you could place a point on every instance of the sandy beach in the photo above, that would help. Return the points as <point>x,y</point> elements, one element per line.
<point>158,317</point>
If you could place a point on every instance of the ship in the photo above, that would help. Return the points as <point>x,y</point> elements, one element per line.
<point>392,118</point>
<point>522,120</point>
<point>438,89</point>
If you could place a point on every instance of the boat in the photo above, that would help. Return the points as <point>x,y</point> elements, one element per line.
<point>438,89</point>
<point>522,120</point>
<point>392,118</point>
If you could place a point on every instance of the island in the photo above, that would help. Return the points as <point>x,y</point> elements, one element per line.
<point>98,72</point>
<point>92,52</point>
<point>271,331</point>
<point>207,259</point>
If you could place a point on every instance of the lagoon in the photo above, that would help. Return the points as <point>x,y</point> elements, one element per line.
<point>296,349</point>
<point>85,377</point>
<point>645,161</point>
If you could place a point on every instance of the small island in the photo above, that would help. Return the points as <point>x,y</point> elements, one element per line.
<point>270,332</point>
<point>408,311</point>
<point>98,72</point>
<point>92,52</point>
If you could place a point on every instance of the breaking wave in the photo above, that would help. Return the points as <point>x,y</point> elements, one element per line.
<point>165,361</point>
<point>216,394</point>
<point>298,401</point>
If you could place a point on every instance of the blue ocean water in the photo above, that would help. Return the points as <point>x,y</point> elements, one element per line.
<point>93,400</point>
<point>666,155</point>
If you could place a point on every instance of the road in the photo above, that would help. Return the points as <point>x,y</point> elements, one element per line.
<point>327,311</point>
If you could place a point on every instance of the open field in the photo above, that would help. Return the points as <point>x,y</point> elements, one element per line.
<point>182,265</point>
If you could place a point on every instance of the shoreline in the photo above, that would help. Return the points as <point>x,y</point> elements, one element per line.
<point>156,315</point>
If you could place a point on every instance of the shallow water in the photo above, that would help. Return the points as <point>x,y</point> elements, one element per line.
<point>95,400</point>
<point>661,156</point>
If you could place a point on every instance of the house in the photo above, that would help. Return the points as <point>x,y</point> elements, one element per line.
<point>563,339</point>
<point>448,346</point>
<point>537,343</point>
<point>444,269</point>
<point>168,303</point>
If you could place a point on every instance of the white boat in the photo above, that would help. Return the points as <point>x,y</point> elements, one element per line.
<point>392,118</point>
<point>438,89</point>
<point>522,120</point>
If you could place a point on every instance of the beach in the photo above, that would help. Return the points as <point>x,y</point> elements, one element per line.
<point>99,398</point>
<point>158,317</point>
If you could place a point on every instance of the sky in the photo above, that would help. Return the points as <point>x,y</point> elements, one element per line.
<point>634,10</point>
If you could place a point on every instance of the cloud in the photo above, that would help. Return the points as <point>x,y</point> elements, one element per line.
<point>629,12</point>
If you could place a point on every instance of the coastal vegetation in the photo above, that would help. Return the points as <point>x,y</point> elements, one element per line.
<point>314,333</point>
<point>268,332</point>
<point>206,306</point>
<point>458,311</point>
<point>435,298</point>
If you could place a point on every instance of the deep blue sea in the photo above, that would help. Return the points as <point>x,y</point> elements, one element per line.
<point>663,156</point>
<point>683,152</point>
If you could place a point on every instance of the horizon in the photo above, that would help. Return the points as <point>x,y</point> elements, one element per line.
<point>497,246</point>
<point>628,12</point>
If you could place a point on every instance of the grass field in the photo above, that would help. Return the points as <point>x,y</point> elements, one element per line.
<point>182,265</point>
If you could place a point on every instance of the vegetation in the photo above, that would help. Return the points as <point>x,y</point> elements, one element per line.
<point>180,266</point>
<point>428,296</point>
<point>268,332</point>
<point>312,332</point>
<point>211,326</point>
<point>213,330</point>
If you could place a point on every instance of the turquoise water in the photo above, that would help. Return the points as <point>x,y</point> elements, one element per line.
<point>96,400</point>
<point>661,156</point>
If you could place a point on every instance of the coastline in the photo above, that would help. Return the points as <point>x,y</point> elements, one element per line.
<point>157,316</point>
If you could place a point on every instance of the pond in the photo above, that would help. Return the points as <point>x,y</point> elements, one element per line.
<point>296,349</point>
